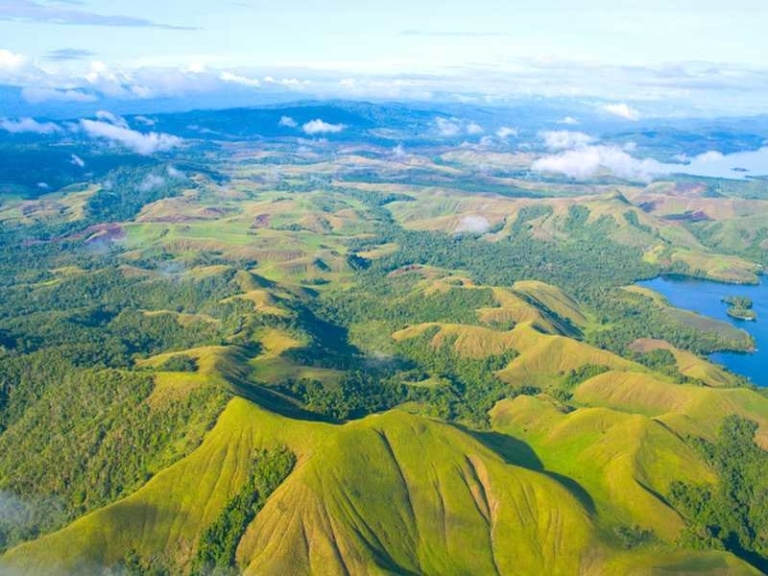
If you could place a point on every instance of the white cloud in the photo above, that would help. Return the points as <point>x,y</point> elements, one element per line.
<point>39,95</point>
<point>11,62</point>
<point>77,161</point>
<point>287,122</point>
<point>474,225</point>
<point>450,128</point>
<point>447,128</point>
<point>28,125</point>
<point>175,173</point>
<point>139,142</point>
<point>587,162</point>
<point>237,79</point>
<point>399,152</point>
<point>106,116</point>
<point>151,182</point>
<point>565,139</point>
<point>474,129</point>
<point>622,111</point>
<point>319,127</point>
<point>145,121</point>
<point>568,121</point>
<point>506,132</point>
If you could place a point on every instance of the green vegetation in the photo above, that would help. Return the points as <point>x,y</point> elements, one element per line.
<point>218,544</point>
<point>469,386</point>
<point>123,437</point>
<point>583,373</point>
<point>740,307</point>
<point>734,515</point>
<point>179,363</point>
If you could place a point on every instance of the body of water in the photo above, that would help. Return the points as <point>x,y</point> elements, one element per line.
<point>737,166</point>
<point>705,298</point>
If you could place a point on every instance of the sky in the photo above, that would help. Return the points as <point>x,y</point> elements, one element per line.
<point>685,55</point>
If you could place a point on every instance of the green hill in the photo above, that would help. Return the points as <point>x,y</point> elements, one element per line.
<point>362,499</point>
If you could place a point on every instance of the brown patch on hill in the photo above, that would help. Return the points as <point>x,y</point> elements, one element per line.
<point>104,232</point>
<point>405,270</point>
<point>645,345</point>
<point>261,221</point>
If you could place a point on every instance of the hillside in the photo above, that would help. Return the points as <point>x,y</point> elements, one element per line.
<point>516,519</point>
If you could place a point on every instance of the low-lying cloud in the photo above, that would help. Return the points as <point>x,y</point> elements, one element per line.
<point>144,120</point>
<point>106,116</point>
<point>565,139</point>
<point>451,128</point>
<point>586,162</point>
<point>288,122</point>
<point>320,127</point>
<point>473,129</point>
<point>141,143</point>
<point>474,225</point>
<point>175,173</point>
<point>151,182</point>
<point>28,125</point>
<point>447,128</point>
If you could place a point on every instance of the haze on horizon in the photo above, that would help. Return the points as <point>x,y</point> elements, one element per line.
<point>696,57</point>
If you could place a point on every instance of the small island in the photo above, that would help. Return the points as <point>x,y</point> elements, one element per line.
<point>740,307</point>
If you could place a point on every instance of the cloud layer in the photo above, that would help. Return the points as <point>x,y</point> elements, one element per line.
<point>684,89</point>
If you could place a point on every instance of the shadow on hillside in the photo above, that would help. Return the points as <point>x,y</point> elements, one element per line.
<point>576,490</point>
<point>512,450</point>
<point>518,453</point>
<point>277,403</point>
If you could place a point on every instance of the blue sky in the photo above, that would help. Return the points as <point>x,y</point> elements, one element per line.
<point>698,54</point>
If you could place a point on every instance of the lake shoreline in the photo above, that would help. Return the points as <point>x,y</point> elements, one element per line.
<point>705,297</point>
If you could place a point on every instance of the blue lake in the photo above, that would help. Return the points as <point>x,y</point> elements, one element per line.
<point>705,298</point>
<point>738,166</point>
